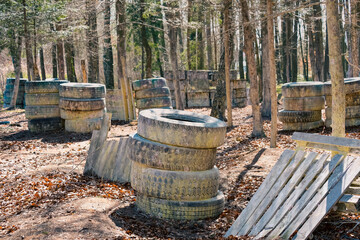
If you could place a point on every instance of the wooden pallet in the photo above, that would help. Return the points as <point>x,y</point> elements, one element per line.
<point>301,189</point>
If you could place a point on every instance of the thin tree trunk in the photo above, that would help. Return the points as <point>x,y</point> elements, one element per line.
<point>36,69</point>
<point>60,59</point>
<point>145,43</point>
<point>355,34</point>
<point>318,42</point>
<point>188,33</point>
<point>70,61</point>
<point>29,56</point>
<point>336,69</point>
<point>42,64</point>
<point>272,73</point>
<point>108,61</point>
<point>54,61</point>
<point>92,43</point>
<point>83,71</point>
<point>227,6</point>
<point>249,38</point>
<point>303,57</point>
<point>294,42</point>
<point>215,44</point>
<point>201,37</point>
<point>17,64</point>
<point>209,48</point>
<point>265,64</point>
<point>326,61</point>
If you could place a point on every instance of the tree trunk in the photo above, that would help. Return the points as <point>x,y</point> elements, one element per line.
<point>209,48</point>
<point>215,44</point>
<point>188,33</point>
<point>355,34</point>
<point>318,42</point>
<point>200,37</point>
<point>54,61</point>
<point>108,61</point>
<point>92,43</point>
<point>42,64</point>
<point>272,73</point>
<point>60,59</point>
<point>17,64</point>
<point>265,76</point>
<point>173,54</point>
<point>70,61</point>
<point>145,43</point>
<point>306,77</point>
<point>336,69</point>
<point>326,61</point>
<point>227,6</point>
<point>29,56</point>
<point>249,38</point>
<point>36,69</point>
<point>294,43</point>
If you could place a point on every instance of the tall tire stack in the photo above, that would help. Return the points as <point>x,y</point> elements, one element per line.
<point>239,93</point>
<point>42,108</point>
<point>303,102</point>
<point>83,106</point>
<point>173,157</point>
<point>152,93</point>
<point>9,90</point>
<point>352,102</point>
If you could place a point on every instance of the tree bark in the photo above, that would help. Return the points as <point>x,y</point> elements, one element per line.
<point>227,6</point>
<point>188,33</point>
<point>209,48</point>
<point>200,37</point>
<point>17,64</point>
<point>294,43</point>
<point>92,43</point>
<point>272,73</point>
<point>54,61</point>
<point>29,56</point>
<point>265,76</point>
<point>249,38</point>
<point>60,59</point>
<point>108,61</point>
<point>70,60</point>
<point>336,69</point>
<point>42,64</point>
<point>355,34</point>
<point>145,43</point>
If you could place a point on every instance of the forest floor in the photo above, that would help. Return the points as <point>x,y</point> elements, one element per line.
<point>43,194</point>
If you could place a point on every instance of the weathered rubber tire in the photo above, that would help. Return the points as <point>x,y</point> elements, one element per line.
<point>42,99</point>
<point>350,99</point>
<point>74,104</point>
<point>166,157</point>
<point>46,124</point>
<point>240,102</point>
<point>45,111</point>
<point>149,83</point>
<point>239,93</point>
<point>157,102</point>
<point>43,86</point>
<point>304,103</point>
<point>19,99</point>
<point>83,125</point>
<point>181,128</point>
<point>72,115</point>
<point>352,85</point>
<point>11,81</point>
<point>239,84</point>
<point>350,112</point>
<point>299,116</point>
<point>82,90</point>
<point>302,126</point>
<point>174,185</point>
<point>349,122</point>
<point>302,89</point>
<point>10,88</point>
<point>181,210</point>
<point>152,93</point>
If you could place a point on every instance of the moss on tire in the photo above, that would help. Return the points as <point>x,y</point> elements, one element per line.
<point>45,111</point>
<point>167,157</point>
<point>152,93</point>
<point>188,210</point>
<point>74,104</point>
<point>82,90</point>
<point>42,99</point>
<point>304,103</point>
<point>299,116</point>
<point>181,128</point>
<point>43,86</point>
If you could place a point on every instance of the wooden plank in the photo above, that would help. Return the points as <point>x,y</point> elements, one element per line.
<point>305,198</point>
<point>272,193</point>
<point>315,169</point>
<point>106,161</point>
<point>329,201</point>
<point>326,140</point>
<point>284,193</point>
<point>349,203</point>
<point>278,168</point>
<point>334,178</point>
<point>122,162</point>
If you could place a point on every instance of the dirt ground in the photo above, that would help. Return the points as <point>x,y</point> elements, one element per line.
<point>43,194</point>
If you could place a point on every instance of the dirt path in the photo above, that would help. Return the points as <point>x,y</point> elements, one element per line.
<point>43,194</point>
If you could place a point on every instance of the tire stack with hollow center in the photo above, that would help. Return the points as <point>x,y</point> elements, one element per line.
<point>42,108</point>
<point>82,105</point>
<point>173,157</point>
<point>9,90</point>
<point>303,102</point>
<point>152,93</point>
<point>352,102</point>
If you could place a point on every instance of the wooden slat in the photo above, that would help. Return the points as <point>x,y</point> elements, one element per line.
<point>122,162</point>
<point>305,198</point>
<point>315,169</point>
<point>327,140</point>
<point>327,203</point>
<point>340,171</point>
<point>279,167</point>
<point>269,197</point>
<point>284,193</point>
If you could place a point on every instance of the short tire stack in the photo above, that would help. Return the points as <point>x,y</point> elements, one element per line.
<point>352,102</point>
<point>42,108</point>
<point>152,93</point>
<point>303,102</point>
<point>9,90</point>
<point>173,156</point>
<point>83,106</point>
<point>239,93</point>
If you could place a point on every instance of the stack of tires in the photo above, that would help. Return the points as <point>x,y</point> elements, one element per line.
<point>42,108</point>
<point>302,103</point>
<point>9,90</point>
<point>352,102</point>
<point>239,93</point>
<point>173,156</point>
<point>152,93</point>
<point>83,106</point>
